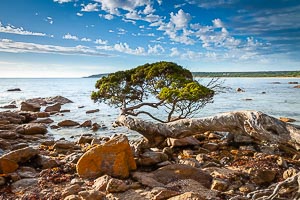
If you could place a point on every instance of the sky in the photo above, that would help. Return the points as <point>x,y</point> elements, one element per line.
<point>75,38</point>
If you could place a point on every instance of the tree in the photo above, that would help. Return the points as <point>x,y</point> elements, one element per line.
<point>161,85</point>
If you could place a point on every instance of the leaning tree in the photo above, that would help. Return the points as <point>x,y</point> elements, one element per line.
<point>169,87</point>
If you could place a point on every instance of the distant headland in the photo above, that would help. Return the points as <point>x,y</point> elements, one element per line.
<point>232,74</point>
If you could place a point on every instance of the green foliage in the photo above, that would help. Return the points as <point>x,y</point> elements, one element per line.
<point>164,84</point>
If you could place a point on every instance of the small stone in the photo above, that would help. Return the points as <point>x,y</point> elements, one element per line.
<point>92,111</point>
<point>42,114</point>
<point>85,139</point>
<point>53,108</point>
<point>219,185</point>
<point>160,193</point>
<point>87,123</point>
<point>247,188</point>
<point>240,90</point>
<point>30,107</point>
<point>67,123</point>
<point>151,158</point>
<point>281,162</point>
<point>262,176</point>
<point>92,195</point>
<point>27,172</point>
<point>71,190</point>
<point>24,184</point>
<point>46,162</point>
<point>286,119</point>
<point>101,183</point>
<point>289,173</point>
<point>116,185</point>
<point>210,146</point>
<point>187,141</point>
<point>14,90</point>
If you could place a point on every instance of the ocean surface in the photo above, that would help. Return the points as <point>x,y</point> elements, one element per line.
<point>278,100</point>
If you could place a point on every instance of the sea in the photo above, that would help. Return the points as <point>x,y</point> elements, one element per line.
<point>273,96</point>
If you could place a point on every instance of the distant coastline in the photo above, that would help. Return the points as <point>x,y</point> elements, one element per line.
<point>258,74</point>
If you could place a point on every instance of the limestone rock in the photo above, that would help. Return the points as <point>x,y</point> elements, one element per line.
<point>30,107</point>
<point>7,166</point>
<point>92,111</point>
<point>114,158</point>
<point>32,128</point>
<point>151,158</point>
<point>187,141</point>
<point>67,123</point>
<point>21,155</point>
<point>53,108</point>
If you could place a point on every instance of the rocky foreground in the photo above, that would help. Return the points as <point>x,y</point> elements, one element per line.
<point>212,165</point>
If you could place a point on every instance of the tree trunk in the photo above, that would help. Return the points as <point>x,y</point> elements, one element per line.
<point>258,125</point>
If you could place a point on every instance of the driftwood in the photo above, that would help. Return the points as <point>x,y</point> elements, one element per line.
<point>258,125</point>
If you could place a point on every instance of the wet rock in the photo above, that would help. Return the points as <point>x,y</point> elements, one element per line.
<point>219,185</point>
<point>8,117</point>
<point>151,158</point>
<point>21,155</point>
<point>262,176</point>
<point>24,184</point>
<point>116,185</point>
<point>42,114</point>
<point>8,135</point>
<point>59,99</point>
<point>53,108</point>
<point>289,173</point>
<point>91,195</point>
<point>9,106</point>
<point>293,82</point>
<point>240,90</point>
<point>87,123</point>
<point>187,141</point>
<point>95,127</point>
<point>54,127</point>
<point>92,111</point>
<point>65,110</point>
<point>5,145</point>
<point>7,166</point>
<point>43,121</point>
<point>85,139</point>
<point>275,82</point>
<point>14,90</point>
<point>114,158</point>
<point>100,183</point>
<point>66,123</point>
<point>32,128</point>
<point>30,107</point>
<point>296,86</point>
<point>286,119</point>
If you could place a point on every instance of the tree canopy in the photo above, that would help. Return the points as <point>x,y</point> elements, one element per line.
<point>160,85</point>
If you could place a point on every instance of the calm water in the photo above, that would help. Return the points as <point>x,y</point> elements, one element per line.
<point>279,100</point>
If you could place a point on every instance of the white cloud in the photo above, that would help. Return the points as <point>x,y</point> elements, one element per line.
<point>99,41</point>
<point>49,19</point>
<point>124,48</point>
<point>159,2</point>
<point>79,14</point>
<point>218,23</point>
<point>156,49</point>
<point>174,52</point>
<point>180,19</point>
<point>148,10</point>
<point>62,1</point>
<point>19,31</point>
<point>90,7</point>
<point>121,31</point>
<point>107,16</point>
<point>70,37</point>
<point>86,39</point>
<point>22,47</point>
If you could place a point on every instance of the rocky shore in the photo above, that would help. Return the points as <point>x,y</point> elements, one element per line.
<point>212,165</point>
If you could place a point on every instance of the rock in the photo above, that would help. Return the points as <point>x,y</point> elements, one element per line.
<point>95,127</point>
<point>43,121</point>
<point>296,86</point>
<point>72,197</point>
<point>276,82</point>
<point>9,106</point>
<point>65,110</point>
<point>293,82</point>
<point>30,107</point>
<point>91,195</point>
<point>242,138</point>
<point>8,135</point>
<point>39,101</point>
<point>59,99</point>
<point>219,185</point>
<point>7,166</point>
<point>42,114</point>
<point>19,146</point>
<point>11,117</point>
<point>240,90</point>
<point>247,188</point>
<point>210,146</point>
<point>100,183</point>
<point>85,139</point>
<point>2,181</point>
<point>151,158</point>
<point>160,193</point>
<point>146,179</point>
<point>14,90</point>
<point>187,141</point>
<point>21,155</point>
<point>53,108</point>
<point>27,172</point>
<point>92,111</point>
<point>262,176</point>
<point>63,146</point>
<point>286,119</point>
<point>31,129</point>
<point>24,184</point>
<point>46,162</point>
<point>116,185</point>
<point>190,161</point>
<point>5,145</point>
<point>114,158</point>
<point>188,196</point>
<point>289,173</point>
<point>71,190</point>
<point>67,123</point>
<point>87,123</point>
<point>73,157</point>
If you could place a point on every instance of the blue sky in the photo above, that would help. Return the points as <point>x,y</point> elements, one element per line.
<point>74,38</point>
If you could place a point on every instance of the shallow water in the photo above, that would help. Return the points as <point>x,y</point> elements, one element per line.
<point>279,100</point>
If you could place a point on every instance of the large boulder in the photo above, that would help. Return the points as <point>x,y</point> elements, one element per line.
<point>53,108</point>
<point>32,128</point>
<point>58,99</point>
<point>21,155</point>
<point>114,158</point>
<point>7,166</point>
<point>33,107</point>
<point>11,117</point>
